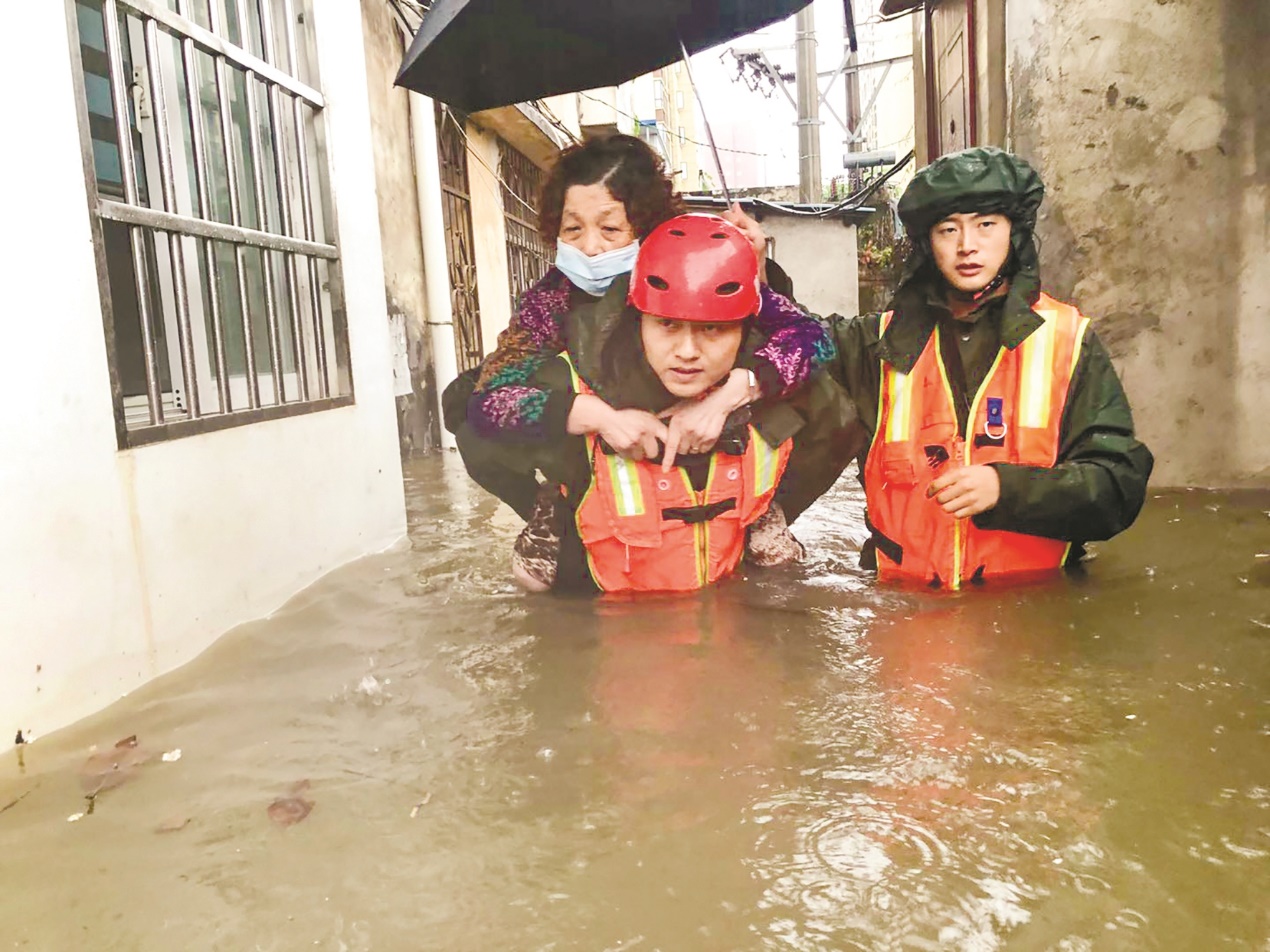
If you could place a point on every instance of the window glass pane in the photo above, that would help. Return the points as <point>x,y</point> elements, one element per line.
<point>107,165</point>
<point>180,133</point>
<point>253,269</point>
<point>97,91</point>
<point>286,334</point>
<point>333,331</point>
<point>244,162</point>
<point>231,310</point>
<point>134,52</point>
<point>196,10</point>
<point>124,301</point>
<point>319,189</point>
<point>92,30</point>
<point>213,140</point>
<point>97,95</point>
<point>266,159</point>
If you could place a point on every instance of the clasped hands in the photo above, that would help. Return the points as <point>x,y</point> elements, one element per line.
<point>690,426</point>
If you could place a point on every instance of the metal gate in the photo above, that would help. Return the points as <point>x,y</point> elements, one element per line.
<point>528,256</point>
<point>459,244</point>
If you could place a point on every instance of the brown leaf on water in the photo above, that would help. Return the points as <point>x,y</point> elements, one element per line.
<point>288,811</point>
<point>107,769</point>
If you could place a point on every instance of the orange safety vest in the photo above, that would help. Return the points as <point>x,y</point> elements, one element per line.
<point>1014,418</point>
<point>649,531</point>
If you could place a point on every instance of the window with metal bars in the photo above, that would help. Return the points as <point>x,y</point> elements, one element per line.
<point>528,256</point>
<point>217,253</point>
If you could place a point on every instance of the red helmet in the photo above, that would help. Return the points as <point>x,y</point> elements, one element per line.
<point>696,268</point>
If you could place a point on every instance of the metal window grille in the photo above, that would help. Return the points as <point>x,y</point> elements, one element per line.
<point>528,256</point>
<point>216,244</point>
<point>460,245</point>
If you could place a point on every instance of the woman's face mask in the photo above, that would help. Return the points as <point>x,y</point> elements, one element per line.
<point>594,274</point>
<point>596,241</point>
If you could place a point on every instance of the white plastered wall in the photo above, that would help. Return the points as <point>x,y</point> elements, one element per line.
<point>820,256</point>
<point>489,232</point>
<point>116,566</point>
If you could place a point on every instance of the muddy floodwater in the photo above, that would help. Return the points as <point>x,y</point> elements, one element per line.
<point>411,755</point>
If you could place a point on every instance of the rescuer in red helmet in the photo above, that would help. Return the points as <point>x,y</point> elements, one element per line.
<point>675,517</point>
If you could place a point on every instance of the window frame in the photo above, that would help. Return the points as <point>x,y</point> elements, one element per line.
<point>300,257</point>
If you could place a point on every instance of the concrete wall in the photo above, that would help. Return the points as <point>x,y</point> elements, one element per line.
<point>820,256</point>
<point>489,233</point>
<point>990,81</point>
<point>399,223</point>
<point>118,566</point>
<point>1151,126</point>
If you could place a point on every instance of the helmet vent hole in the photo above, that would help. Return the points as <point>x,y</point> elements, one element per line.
<point>720,235</point>
<point>659,283</point>
<point>728,288</point>
<point>679,233</point>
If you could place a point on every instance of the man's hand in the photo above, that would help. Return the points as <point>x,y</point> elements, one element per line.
<point>695,425</point>
<point>753,231</point>
<point>634,434</point>
<point>967,490</point>
<point>631,433</point>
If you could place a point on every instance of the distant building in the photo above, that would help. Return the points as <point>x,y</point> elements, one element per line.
<point>666,112</point>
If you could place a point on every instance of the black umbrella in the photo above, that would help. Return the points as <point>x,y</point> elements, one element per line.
<point>478,54</point>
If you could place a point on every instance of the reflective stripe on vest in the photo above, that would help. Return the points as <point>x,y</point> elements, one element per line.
<point>1014,418</point>
<point>628,495</point>
<point>645,530</point>
<point>767,465</point>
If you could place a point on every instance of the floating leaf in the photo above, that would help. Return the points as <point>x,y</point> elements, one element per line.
<point>288,811</point>
<point>107,769</point>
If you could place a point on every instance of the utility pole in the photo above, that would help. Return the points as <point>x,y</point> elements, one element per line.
<point>809,189</point>
<point>855,143</point>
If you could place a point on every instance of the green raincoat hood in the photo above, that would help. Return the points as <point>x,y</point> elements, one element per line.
<point>983,179</point>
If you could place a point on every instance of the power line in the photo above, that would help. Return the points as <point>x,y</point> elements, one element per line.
<point>552,118</point>
<point>481,159</point>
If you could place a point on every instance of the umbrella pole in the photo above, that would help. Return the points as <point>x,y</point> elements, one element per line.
<point>696,91</point>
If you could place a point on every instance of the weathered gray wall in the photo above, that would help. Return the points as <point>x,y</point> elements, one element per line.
<point>1150,122</point>
<point>819,255</point>
<point>399,222</point>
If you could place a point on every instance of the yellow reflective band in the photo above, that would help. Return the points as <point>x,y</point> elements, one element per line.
<point>900,402</point>
<point>954,583</point>
<point>764,464</point>
<point>1035,384</point>
<point>628,495</point>
<point>573,372</point>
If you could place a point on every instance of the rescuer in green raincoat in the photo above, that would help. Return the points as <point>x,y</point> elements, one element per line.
<point>972,314</point>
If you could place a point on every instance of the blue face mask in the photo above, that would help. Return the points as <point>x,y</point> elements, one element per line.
<point>594,274</point>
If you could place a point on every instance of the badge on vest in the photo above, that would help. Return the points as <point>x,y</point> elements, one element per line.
<point>994,427</point>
